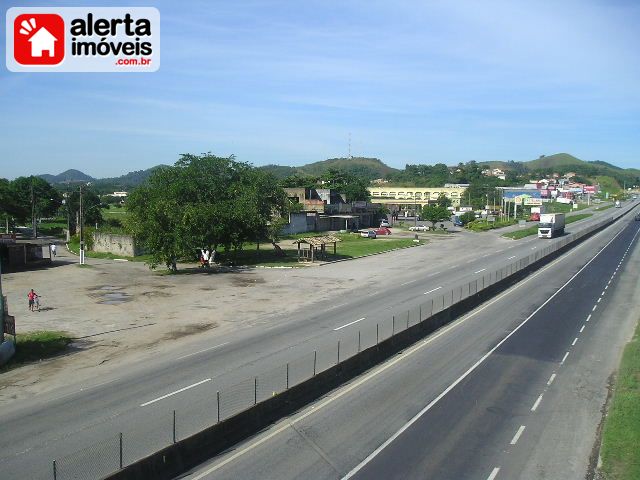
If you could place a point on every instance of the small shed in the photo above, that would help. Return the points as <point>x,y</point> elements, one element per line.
<point>317,247</point>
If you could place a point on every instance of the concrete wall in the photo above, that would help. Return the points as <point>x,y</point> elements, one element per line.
<point>297,224</point>
<point>124,245</point>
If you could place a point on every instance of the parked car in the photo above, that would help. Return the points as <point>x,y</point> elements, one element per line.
<point>419,228</point>
<point>368,234</point>
<point>383,231</point>
<point>457,222</point>
<point>535,217</point>
<point>384,223</point>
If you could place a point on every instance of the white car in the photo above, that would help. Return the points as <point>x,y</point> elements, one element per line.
<point>385,223</point>
<point>419,228</point>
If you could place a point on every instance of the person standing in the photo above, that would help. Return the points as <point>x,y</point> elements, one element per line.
<point>32,297</point>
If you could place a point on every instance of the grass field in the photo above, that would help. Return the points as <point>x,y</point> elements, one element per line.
<point>119,213</point>
<point>518,234</point>
<point>350,246</point>
<point>621,434</point>
<point>599,209</point>
<point>35,346</point>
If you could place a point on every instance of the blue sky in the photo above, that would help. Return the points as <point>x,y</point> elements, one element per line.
<point>286,82</point>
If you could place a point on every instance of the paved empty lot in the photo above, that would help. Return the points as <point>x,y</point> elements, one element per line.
<point>120,312</point>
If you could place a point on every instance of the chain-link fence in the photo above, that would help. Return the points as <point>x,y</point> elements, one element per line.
<point>163,429</point>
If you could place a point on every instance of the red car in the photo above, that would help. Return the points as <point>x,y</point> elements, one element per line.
<point>383,231</point>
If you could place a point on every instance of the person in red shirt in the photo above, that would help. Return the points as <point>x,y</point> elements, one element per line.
<point>31,296</point>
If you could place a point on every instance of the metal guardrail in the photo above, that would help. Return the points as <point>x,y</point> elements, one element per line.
<point>115,452</point>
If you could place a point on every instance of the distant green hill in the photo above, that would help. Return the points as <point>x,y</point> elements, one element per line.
<point>369,168</point>
<point>554,161</point>
<point>68,176</point>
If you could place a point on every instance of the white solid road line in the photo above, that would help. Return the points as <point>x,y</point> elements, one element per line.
<point>347,324</point>
<point>431,291</point>
<point>511,257</point>
<point>516,437</point>
<point>535,405</point>
<point>316,408</point>
<point>202,351</point>
<point>551,379</point>
<point>176,392</point>
<point>481,270</point>
<point>564,358</point>
<point>494,473</point>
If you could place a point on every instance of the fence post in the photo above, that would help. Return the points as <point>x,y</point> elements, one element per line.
<point>377,333</point>
<point>55,471</point>
<point>120,450</point>
<point>420,313</point>
<point>338,352</point>
<point>218,404</point>
<point>287,375</point>
<point>174,426</point>
<point>393,326</point>
<point>358,341</point>
<point>255,390</point>
<point>408,313</point>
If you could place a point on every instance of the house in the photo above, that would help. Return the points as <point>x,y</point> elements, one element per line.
<point>42,40</point>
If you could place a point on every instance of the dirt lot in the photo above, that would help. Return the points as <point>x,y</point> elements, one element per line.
<point>120,312</point>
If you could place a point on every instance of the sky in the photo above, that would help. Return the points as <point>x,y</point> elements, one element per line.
<point>290,82</point>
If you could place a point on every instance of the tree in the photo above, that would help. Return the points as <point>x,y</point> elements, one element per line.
<point>443,201</point>
<point>467,217</point>
<point>33,196</point>
<point>203,202</point>
<point>353,187</point>
<point>435,214</point>
<point>91,207</point>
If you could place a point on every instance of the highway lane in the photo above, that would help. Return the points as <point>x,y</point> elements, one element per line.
<point>114,404</point>
<point>472,423</point>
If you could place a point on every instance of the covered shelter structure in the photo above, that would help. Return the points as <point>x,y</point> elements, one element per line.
<point>316,247</point>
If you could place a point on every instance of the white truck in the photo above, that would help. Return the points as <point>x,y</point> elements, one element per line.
<point>551,225</point>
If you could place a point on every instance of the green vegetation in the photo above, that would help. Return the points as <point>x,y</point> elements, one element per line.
<point>621,433</point>
<point>203,202</point>
<point>599,209</point>
<point>35,346</point>
<point>557,207</point>
<point>481,225</point>
<point>53,228</point>
<point>526,232</point>
<point>575,218</point>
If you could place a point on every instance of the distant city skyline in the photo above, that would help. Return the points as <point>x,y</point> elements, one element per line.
<point>287,83</point>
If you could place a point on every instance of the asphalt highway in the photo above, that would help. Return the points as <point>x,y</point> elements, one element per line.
<point>512,390</point>
<point>140,402</point>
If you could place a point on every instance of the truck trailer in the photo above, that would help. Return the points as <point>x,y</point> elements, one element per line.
<point>551,225</point>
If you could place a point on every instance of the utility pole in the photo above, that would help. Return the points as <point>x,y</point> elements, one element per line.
<point>81,231</point>
<point>33,213</point>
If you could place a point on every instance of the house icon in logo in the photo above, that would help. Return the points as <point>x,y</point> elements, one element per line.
<point>38,39</point>
<point>42,40</point>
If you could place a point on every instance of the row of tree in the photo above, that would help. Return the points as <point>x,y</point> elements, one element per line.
<point>28,199</point>
<point>352,185</point>
<point>204,202</point>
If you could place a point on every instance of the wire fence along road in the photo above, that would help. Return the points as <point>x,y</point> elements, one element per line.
<point>103,458</point>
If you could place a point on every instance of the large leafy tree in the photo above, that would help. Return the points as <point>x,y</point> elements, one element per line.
<point>32,195</point>
<point>91,211</point>
<point>435,213</point>
<point>355,188</point>
<point>203,201</point>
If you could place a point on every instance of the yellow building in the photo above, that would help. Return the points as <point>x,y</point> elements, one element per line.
<point>417,195</point>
